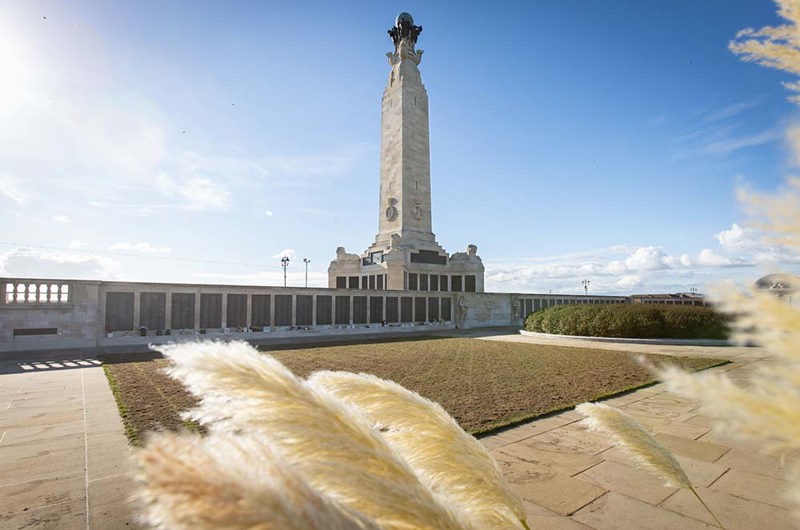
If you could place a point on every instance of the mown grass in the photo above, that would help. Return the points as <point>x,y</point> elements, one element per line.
<point>484,384</point>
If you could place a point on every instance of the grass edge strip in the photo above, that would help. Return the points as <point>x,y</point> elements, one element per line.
<point>124,413</point>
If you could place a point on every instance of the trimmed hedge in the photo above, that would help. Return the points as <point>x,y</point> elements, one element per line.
<point>640,321</point>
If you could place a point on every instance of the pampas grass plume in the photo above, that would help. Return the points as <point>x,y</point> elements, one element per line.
<point>236,484</point>
<point>446,459</point>
<point>327,443</point>
<point>775,47</point>
<point>635,439</point>
<point>646,451</point>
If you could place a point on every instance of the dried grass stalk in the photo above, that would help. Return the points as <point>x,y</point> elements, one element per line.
<point>446,459</point>
<point>774,47</point>
<point>645,450</point>
<point>635,439</point>
<point>328,444</point>
<point>232,483</point>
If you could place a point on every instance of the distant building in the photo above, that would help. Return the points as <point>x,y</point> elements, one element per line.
<point>781,285</point>
<point>670,299</point>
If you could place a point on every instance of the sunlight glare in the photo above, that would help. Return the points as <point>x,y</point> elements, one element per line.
<point>16,68</point>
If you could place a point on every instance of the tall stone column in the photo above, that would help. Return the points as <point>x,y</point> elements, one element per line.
<point>405,243</point>
<point>405,191</point>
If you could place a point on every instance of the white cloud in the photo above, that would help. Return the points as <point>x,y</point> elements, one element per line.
<point>10,188</point>
<point>719,137</point>
<point>620,269</point>
<point>646,258</point>
<point>750,246</point>
<point>195,193</point>
<point>734,143</point>
<point>78,244</point>
<point>30,263</point>
<point>268,213</point>
<point>61,219</point>
<point>140,247</point>
<point>729,111</point>
<point>738,238</point>
<point>629,282</point>
<point>289,253</point>
<point>616,267</point>
<point>709,258</point>
<point>677,261</point>
<point>339,162</point>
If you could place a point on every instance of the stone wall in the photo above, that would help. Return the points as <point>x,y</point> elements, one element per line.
<point>31,316</point>
<point>53,314</point>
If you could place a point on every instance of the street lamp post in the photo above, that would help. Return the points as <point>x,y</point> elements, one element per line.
<point>284,264</point>
<point>306,261</point>
<point>585,284</point>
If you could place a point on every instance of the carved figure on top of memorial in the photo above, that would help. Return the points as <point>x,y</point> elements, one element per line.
<point>404,36</point>
<point>470,255</point>
<point>342,255</point>
<point>397,243</point>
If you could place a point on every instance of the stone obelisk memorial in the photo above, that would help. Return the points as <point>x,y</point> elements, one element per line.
<point>405,254</point>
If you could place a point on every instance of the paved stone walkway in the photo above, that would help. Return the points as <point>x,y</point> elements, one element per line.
<point>64,460</point>
<point>571,478</point>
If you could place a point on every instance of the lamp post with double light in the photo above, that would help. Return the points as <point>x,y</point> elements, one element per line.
<point>284,264</point>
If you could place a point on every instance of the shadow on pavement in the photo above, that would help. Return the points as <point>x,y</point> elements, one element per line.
<point>33,365</point>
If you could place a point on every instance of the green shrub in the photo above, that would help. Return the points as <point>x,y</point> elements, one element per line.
<point>642,321</point>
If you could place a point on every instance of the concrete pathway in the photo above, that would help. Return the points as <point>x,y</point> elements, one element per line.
<point>571,478</point>
<point>64,460</point>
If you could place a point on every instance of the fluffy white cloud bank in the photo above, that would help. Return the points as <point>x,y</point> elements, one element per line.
<point>742,254</point>
<point>32,263</point>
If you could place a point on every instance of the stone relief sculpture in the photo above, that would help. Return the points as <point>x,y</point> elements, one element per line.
<point>462,310</point>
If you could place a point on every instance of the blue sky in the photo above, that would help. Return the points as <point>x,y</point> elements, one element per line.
<point>200,141</point>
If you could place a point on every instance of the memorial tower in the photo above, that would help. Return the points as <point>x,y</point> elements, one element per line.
<point>405,254</point>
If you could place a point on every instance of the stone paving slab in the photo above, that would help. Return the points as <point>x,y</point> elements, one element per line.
<point>64,458</point>
<point>742,485</point>
<point>627,480</point>
<point>767,490</point>
<point>613,511</point>
<point>699,472</point>
<point>706,451</point>
<point>752,462</point>
<point>733,512</point>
